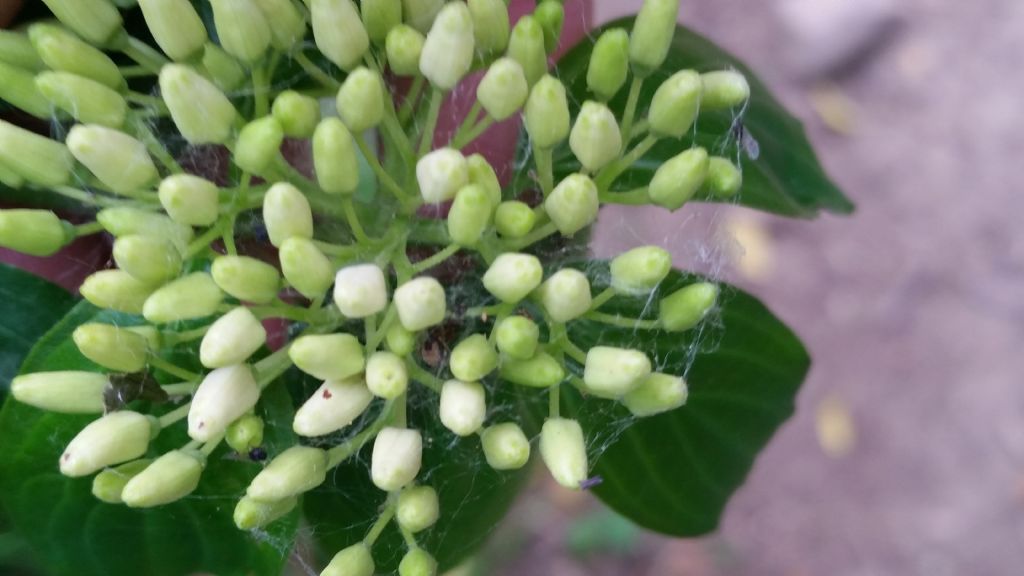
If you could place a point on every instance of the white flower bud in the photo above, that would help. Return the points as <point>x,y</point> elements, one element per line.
<point>505,446</point>
<point>448,52</point>
<point>417,509</point>
<point>189,200</point>
<point>441,174</point>
<point>463,406</point>
<point>192,296</point>
<point>386,375</point>
<point>397,456</point>
<point>169,478</point>
<point>328,356</point>
<point>473,358</point>
<point>334,405</point>
<point>232,339</point>
<point>242,29</point>
<point>202,113</point>
<point>297,470</point>
<point>114,438</point>
<point>656,394</point>
<point>67,392</point>
<point>595,138</point>
<point>176,27</point>
<point>420,303</point>
<point>355,560</point>
<point>113,348</point>
<point>417,561</point>
<point>224,395</point>
<point>286,213</point>
<point>252,514</point>
<point>512,276</point>
<point>118,160</point>
<point>564,451</point>
<point>338,32</point>
<point>503,89</point>
<point>573,204</point>
<point>640,270</point>
<point>360,290</point>
<point>613,372</point>
<point>566,295</point>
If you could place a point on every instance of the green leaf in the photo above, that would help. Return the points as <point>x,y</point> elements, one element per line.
<point>74,533</point>
<point>785,179</point>
<point>675,472</point>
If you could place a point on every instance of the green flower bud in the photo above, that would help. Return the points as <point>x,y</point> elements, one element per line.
<point>328,356</point>
<point>399,340</point>
<point>677,180</point>
<point>355,560</point>
<point>10,178</point>
<point>246,278</point>
<point>463,406</point>
<point>404,46</point>
<point>675,104</point>
<point>176,27</point>
<point>95,20</point>
<point>396,460</point>
<point>112,347</point>
<point>656,394</point>
<point>386,375</point>
<point>417,562</point>
<point>115,438</point>
<point>108,485</point>
<point>35,158</point>
<point>242,29</point>
<point>652,35</point>
<point>490,25</point>
<point>547,113</point>
<point>380,17</point>
<point>573,204</point>
<point>514,219</point>
<point>470,215</point>
<point>298,114</point>
<point>482,174</point>
<point>360,290</point>
<point>505,446</point>
<point>723,90</point>
<point>640,270</point>
<point>473,358</point>
<point>417,509</point>
<point>335,405</point>
<point>222,67</point>
<point>168,479</point>
<point>551,16</point>
<point>420,14</point>
<point>224,395</point>
<point>338,32</point>
<point>232,339</point>
<point>448,52</point>
<point>18,87</point>
<point>420,303</point>
<point>189,200</point>
<point>516,337</point>
<point>305,267</point>
<point>613,372</point>
<point>258,145</point>
<point>35,232</point>
<point>245,433</point>
<point>253,514</point>
<point>526,46</point>
<point>564,451</point>
<point>540,371</point>
<point>116,290</point>
<point>63,51</point>
<point>512,276</point>
<point>202,113</point>
<point>118,160</point>
<point>441,174</point>
<point>686,307</point>
<point>609,64</point>
<point>503,89</point>
<point>148,259</point>
<point>335,157</point>
<point>361,100</point>
<point>565,295</point>
<point>287,25</point>
<point>286,214</point>
<point>297,470</point>
<point>595,139</point>
<point>192,296</point>
<point>127,221</point>
<point>66,392</point>
<point>16,49</point>
<point>724,179</point>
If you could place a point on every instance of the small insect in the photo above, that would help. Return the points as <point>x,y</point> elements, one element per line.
<point>746,140</point>
<point>258,454</point>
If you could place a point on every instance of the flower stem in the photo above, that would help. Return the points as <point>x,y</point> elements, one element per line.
<point>631,104</point>
<point>436,259</point>
<point>623,321</point>
<point>341,452</point>
<point>88,229</point>
<point>545,170</point>
<point>382,521</point>
<point>315,71</point>
<point>422,376</point>
<point>353,221</point>
<point>607,176</point>
<point>427,141</point>
<point>161,364</point>
<point>144,55</point>
<point>602,299</point>
<point>411,98</point>
<point>174,415</point>
<point>635,197</point>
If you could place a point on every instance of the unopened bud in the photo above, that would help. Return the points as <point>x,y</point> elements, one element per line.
<point>470,215</point>
<point>386,375</point>
<point>676,104</point>
<point>63,51</point>
<point>328,356</point>
<point>473,358</point>
<point>686,307</point>
<point>441,174</point>
<point>517,337</point>
<point>176,26</point>
<point>334,157</point>
<point>16,49</point>
<point>514,219</point>
<point>448,52</point>
<point>723,90</point>
<point>724,179</point>
<point>95,20</point>
<point>225,71</point>
<point>108,485</point>
<point>258,145</point>
<point>505,446</point>
<point>10,178</point>
<point>547,113</point>
<point>640,270</point>
<point>380,17</point>
<point>526,46</point>
<point>613,372</point>
<point>111,347</point>
<point>35,158</point>
<point>595,139</point>
<point>512,276</point>
<point>66,392</point>
<point>116,290</point>
<point>676,181</point>
<point>242,28</point>
<point>361,100</point>
<point>404,46</point>
<point>399,340</point>
<point>652,35</point>
<point>305,267</point>
<point>297,114</point>
<point>34,232</point>
<point>115,438</point>
<point>360,290</point>
<point>169,478</point>
<point>397,456</point>
<point>565,295</point>
<point>550,14</point>
<point>420,14</point>
<point>287,25</point>
<point>224,395</point>
<point>245,434</point>
<point>124,221</point>
<point>420,303</point>
<point>202,113</point>
<point>334,405</point>
<point>490,25</point>
<point>463,406</point>
<point>656,394</point>
<point>118,160</point>
<point>18,87</point>
<point>609,64</point>
<point>503,89</point>
<point>564,451</point>
<point>192,296</point>
<point>540,371</point>
<point>355,560</point>
<point>232,339</point>
<point>286,214</point>
<point>150,259</point>
<point>417,562</point>
<point>338,32</point>
<point>253,514</point>
<point>482,174</point>
<point>297,470</point>
<point>573,204</point>
<point>189,200</point>
<point>417,509</point>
